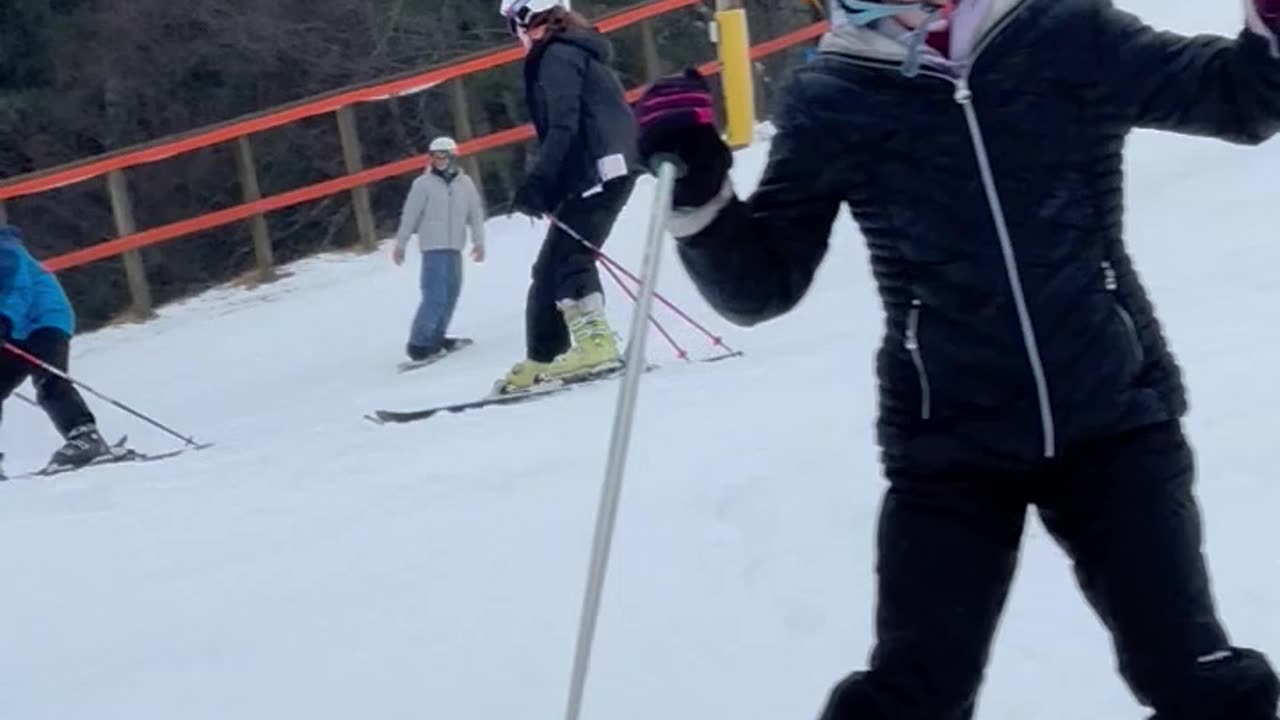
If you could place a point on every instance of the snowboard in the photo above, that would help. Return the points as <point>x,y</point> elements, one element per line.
<point>411,365</point>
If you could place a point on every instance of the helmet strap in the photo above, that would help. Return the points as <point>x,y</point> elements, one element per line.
<point>866,12</point>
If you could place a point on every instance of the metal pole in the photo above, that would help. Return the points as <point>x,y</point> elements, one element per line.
<point>621,440</point>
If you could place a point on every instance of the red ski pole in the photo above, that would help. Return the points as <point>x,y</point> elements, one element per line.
<point>680,352</point>
<point>715,339</point>
<point>55,371</point>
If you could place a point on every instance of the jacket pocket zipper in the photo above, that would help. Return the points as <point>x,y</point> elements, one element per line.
<point>912,344</point>
<point>1135,343</point>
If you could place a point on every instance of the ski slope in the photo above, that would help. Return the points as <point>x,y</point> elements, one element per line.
<point>313,565</point>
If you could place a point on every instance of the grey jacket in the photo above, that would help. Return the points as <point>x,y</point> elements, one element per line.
<point>439,211</point>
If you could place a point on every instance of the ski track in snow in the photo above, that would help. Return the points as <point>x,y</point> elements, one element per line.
<point>314,565</point>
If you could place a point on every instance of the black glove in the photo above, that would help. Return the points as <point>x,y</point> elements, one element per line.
<point>530,199</point>
<point>677,118</point>
<point>1270,12</point>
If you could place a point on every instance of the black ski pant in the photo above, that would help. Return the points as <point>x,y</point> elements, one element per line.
<point>59,398</point>
<point>566,269</point>
<point>1124,512</point>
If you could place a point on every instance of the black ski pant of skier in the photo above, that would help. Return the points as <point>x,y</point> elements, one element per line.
<point>566,269</point>
<point>1123,510</point>
<point>59,398</point>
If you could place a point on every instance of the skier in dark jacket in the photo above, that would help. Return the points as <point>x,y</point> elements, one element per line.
<point>979,148</point>
<point>36,318</point>
<point>584,175</point>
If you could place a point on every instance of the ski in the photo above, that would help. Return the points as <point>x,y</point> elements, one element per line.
<point>722,357</point>
<point>119,452</point>
<point>411,365</point>
<point>383,417</point>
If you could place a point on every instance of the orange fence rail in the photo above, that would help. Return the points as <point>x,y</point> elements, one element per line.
<point>791,39</point>
<point>41,182</point>
<point>165,233</point>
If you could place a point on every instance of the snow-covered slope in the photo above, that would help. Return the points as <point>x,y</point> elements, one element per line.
<point>312,565</point>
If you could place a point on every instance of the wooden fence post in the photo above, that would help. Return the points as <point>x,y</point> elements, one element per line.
<point>652,60</point>
<point>353,156</point>
<point>135,272</point>
<point>462,131</point>
<point>258,223</point>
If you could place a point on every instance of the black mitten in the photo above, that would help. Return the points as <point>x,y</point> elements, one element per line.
<point>677,119</point>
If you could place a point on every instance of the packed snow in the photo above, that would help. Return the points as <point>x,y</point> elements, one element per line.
<point>311,564</point>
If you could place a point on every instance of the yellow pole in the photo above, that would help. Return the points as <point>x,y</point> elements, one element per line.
<point>734,46</point>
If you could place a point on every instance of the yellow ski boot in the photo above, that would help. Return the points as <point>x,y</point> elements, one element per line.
<point>594,350</point>
<point>522,376</point>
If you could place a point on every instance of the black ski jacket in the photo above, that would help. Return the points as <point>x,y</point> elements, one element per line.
<point>580,111</point>
<point>1016,327</point>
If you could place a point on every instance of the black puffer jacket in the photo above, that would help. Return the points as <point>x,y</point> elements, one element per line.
<point>1001,346</point>
<point>580,111</point>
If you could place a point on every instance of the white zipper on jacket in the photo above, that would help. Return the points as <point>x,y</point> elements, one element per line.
<point>912,344</point>
<point>1112,285</point>
<point>964,97</point>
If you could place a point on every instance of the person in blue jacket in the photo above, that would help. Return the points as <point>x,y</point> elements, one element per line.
<point>36,317</point>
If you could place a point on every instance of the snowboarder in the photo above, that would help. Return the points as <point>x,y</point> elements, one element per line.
<point>584,174</point>
<point>36,317</point>
<point>442,203</point>
<point>978,145</point>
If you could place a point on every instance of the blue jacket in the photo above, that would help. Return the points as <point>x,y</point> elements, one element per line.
<point>30,296</point>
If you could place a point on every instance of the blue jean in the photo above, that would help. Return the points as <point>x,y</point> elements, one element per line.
<point>441,282</point>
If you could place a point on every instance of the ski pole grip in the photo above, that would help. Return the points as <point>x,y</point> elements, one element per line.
<point>657,160</point>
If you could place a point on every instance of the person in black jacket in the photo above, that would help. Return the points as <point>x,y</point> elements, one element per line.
<point>584,175</point>
<point>978,146</point>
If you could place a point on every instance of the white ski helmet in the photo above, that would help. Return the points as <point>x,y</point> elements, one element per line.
<point>443,144</point>
<point>518,13</point>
